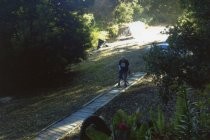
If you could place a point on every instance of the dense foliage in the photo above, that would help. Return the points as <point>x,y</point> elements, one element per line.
<point>109,15</point>
<point>38,39</point>
<point>191,35</point>
<point>128,11</point>
<point>188,122</point>
<point>186,61</point>
<point>161,11</point>
<point>150,11</point>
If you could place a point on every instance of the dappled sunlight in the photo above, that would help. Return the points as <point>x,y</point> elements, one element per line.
<point>94,76</point>
<point>141,35</point>
<point>121,44</point>
<point>46,66</point>
<point>105,54</point>
<point>100,89</point>
<point>2,137</point>
<point>135,47</point>
<point>122,50</point>
<point>116,51</point>
<point>64,126</point>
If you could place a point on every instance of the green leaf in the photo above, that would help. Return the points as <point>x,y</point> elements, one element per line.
<point>94,134</point>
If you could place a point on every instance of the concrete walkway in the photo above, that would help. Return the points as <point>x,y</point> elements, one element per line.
<point>62,127</point>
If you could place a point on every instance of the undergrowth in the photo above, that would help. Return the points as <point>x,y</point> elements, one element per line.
<point>190,122</point>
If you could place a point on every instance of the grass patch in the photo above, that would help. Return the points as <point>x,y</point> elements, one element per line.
<point>23,118</point>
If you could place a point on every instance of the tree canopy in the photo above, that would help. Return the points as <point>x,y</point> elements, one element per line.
<point>38,39</point>
<point>186,62</point>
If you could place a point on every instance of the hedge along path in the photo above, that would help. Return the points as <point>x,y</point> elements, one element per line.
<point>72,122</point>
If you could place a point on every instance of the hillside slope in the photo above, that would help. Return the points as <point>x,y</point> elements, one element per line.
<point>93,76</point>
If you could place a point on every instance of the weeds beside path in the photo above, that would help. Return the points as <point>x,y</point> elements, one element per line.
<point>23,118</point>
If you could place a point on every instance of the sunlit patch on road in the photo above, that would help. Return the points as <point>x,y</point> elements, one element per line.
<point>143,34</point>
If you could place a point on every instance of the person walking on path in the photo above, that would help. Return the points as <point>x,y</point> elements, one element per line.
<point>123,70</point>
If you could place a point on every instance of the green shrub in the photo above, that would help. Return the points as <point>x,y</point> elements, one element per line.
<point>187,123</point>
<point>38,40</point>
<point>113,30</point>
<point>124,13</point>
<point>186,60</point>
<point>96,35</point>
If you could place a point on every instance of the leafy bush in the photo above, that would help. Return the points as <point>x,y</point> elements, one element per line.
<point>190,35</point>
<point>158,62</point>
<point>161,11</point>
<point>124,127</point>
<point>96,35</point>
<point>186,61</point>
<point>124,13</point>
<point>137,11</point>
<point>158,120</point>
<point>186,121</point>
<point>38,39</point>
<point>113,30</point>
<point>185,124</point>
<point>128,11</point>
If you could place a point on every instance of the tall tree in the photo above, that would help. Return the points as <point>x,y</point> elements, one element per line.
<point>38,39</point>
<point>124,12</point>
<point>187,59</point>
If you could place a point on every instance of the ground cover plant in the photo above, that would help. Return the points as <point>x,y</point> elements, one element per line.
<point>186,123</point>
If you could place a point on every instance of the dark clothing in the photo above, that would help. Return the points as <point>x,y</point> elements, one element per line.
<point>123,70</point>
<point>123,74</point>
<point>100,43</point>
<point>123,64</point>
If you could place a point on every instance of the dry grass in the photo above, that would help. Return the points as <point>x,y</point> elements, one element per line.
<point>23,118</point>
